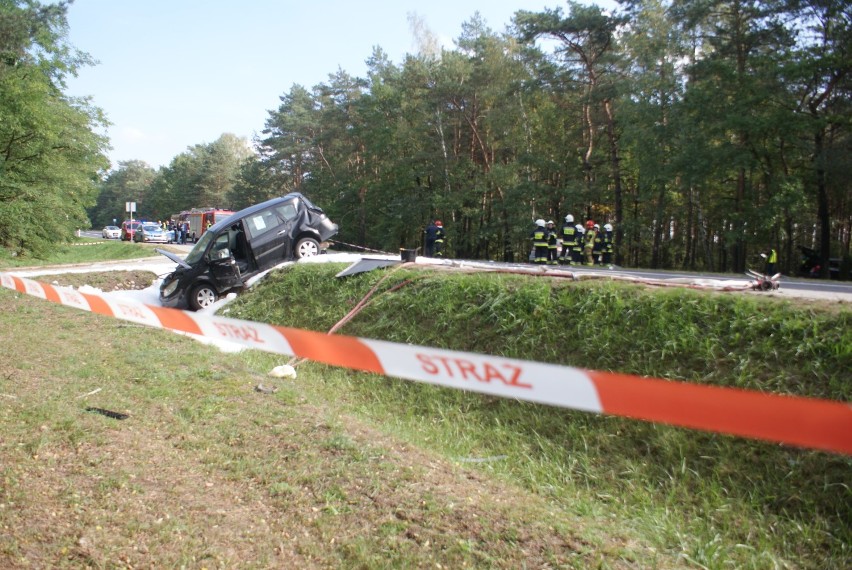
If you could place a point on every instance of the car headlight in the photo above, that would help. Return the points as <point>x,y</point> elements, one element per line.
<point>170,288</point>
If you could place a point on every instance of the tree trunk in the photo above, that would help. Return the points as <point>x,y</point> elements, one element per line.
<point>822,204</point>
<point>616,179</point>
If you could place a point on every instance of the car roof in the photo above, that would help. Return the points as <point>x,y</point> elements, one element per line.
<point>257,208</point>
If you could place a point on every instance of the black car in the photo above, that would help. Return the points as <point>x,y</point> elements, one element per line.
<point>241,246</point>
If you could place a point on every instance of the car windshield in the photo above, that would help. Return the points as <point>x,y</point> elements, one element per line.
<point>198,251</point>
<point>151,227</point>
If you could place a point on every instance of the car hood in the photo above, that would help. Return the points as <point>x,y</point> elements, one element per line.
<point>174,258</point>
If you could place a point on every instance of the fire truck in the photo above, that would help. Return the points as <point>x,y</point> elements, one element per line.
<point>199,219</point>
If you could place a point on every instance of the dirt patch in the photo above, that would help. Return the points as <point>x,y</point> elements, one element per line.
<point>105,281</point>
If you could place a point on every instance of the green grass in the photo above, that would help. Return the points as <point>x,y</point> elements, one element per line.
<point>82,252</point>
<point>716,501</point>
<point>343,469</point>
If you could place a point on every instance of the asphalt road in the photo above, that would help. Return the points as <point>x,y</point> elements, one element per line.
<point>807,287</point>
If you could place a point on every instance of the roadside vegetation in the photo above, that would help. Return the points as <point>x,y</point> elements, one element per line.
<point>713,501</point>
<point>344,469</point>
<point>83,250</point>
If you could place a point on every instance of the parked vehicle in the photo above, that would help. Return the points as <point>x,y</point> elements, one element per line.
<point>241,246</point>
<point>128,229</point>
<point>111,232</point>
<point>149,232</point>
<point>199,219</point>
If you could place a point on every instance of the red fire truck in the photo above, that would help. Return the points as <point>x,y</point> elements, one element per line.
<point>199,219</point>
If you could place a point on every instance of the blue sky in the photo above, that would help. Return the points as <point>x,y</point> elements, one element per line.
<point>176,73</point>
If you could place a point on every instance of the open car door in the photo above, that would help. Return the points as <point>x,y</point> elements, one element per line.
<point>223,266</point>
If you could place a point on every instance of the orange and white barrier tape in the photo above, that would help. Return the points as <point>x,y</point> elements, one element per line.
<point>803,422</point>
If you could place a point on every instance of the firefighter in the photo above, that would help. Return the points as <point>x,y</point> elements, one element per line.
<point>431,233</point>
<point>589,242</point>
<point>577,249</point>
<point>439,238</point>
<point>552,244</point>
<point>598,249</point>
<point>539,239</point>
<point>569,239</point>
<point>608,245</point>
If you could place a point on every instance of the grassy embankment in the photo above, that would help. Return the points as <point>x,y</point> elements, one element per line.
<point>717,501</point>
<point>344,469</point>
<point>83,250</point>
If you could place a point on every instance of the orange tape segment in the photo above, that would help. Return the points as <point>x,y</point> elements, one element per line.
<point>806,422</point>
<point>176,320</point>
<point>51,294</point>
<point>98,305</point>
<point>345,351</point>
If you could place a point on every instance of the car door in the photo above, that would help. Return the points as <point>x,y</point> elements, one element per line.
<point>269,233</point>
<point>223,266</point>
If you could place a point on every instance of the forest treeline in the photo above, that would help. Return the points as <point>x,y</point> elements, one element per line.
<point>705,131</point>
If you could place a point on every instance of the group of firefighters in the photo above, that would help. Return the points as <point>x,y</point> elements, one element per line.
<point>580,245</point>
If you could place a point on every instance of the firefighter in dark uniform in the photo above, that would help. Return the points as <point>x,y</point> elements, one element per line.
<point>552,244</point>
<point>569,239</point>
<point>577,250</point>
<point>439,239</point>
<point>430,233</point>
<point>539,239</point>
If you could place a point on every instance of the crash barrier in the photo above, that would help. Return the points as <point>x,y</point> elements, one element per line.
<point>803,422</point>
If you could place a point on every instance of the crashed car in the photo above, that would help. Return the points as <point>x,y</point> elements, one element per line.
<point>243,245</point>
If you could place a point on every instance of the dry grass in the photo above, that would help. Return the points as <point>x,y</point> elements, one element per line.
<point>208,473</point>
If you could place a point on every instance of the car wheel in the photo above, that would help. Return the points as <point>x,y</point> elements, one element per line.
<point>202,296</point>
<point>307,247</point>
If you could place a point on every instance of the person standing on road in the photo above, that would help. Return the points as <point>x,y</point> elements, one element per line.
<point>577,249</point>
<point>429,235</point>
<point>439,238</point>
<point>552,244</point>
<point>569,239</point>
<point>589,245</point>
<point>598,249</point>
<point>608,245</point>
<point>771,260</point>
<point>539,239</point>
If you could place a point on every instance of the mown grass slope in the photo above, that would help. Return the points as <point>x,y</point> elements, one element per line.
<point>84,250</point>
<point>712,501</point>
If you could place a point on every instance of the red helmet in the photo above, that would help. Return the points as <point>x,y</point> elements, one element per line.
<point>439,224</point>
<point>590,224</point>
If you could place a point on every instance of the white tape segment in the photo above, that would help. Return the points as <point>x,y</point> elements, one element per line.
<point>803,422</point>
<point>505,377</point>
